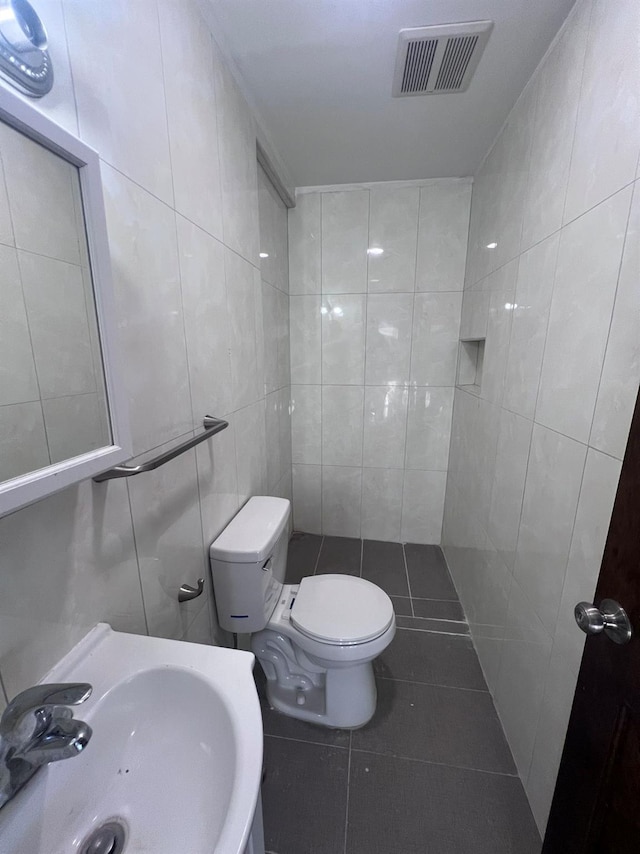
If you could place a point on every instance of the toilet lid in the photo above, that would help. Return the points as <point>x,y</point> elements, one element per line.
<point>341,609</point>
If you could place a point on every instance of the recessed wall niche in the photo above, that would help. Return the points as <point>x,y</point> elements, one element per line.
<point>470,362</point>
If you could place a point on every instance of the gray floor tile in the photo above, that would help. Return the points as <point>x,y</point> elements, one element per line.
<point>383,564</point>
<point>401,606</point>
<point>436,724</point>
<point>304,797</point>
<point>275,723</point>
<point>302,556</point>
<point>435,659</point>
<point>437,609</point>
<point>401,806</point>
<point>341,555</point>
<point>422,624</point>
<point>428,574</point>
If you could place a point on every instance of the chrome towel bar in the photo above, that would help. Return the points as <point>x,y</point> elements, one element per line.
<point>211,427</point>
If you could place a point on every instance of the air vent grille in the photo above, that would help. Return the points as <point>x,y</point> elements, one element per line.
<point>417,68</point>
<point>438,60</point>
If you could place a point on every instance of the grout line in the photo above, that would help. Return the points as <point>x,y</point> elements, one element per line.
<point>432,684</point>
<point>406,572</point>
<point>3,690</point>
<point>315,566</point>
<point>361,557</point>
<point>304,741</point>
<point>613,309</point>
<point>346,815</point>
<point>441,764</point>
<point>135,548</point>
<point>431,631</point>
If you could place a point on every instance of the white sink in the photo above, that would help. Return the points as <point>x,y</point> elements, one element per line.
<point>175,757</point>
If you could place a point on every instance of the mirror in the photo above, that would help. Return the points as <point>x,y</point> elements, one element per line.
<point>61,412</point>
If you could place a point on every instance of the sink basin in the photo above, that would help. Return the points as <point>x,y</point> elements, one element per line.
<point>175,760</point>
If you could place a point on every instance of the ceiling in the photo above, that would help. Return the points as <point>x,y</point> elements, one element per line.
<point>320,74</point>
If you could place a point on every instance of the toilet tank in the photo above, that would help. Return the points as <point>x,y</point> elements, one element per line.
<point>248,564</point>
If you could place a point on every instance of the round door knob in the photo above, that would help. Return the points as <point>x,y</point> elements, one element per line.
<point>610,618</point>
<point>588,618</point>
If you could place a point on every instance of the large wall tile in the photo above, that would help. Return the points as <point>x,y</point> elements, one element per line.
<point>530,318</point>
<point>555,120</point>
<point>144,255</point>
<point>79,569</point>
<point>341,501</point>
<point>187,59</point>
<point>54,293</point>
<point>583,296</point>
<point>217,482</point>
<point>385,426</point>
<point>381,503</point>
<point>436,323</point>
<point>555,710</point>
<point>168,531</point>
<point>306,424</point>
<point>621,370</point>
<point>502,289</point>
<point>520,687</point>
<point>393,227</point>
<point>345,226</point>
<point>512,154</point>
<point>423,506</point>
<point>343,338</point>
<point>429,428</point>
<point>595,505</point>
<point>607,138</point>
<point>342,425</point>
<point>442,236</point>
<point>388,346</point>
<point>74,425</point>
<point>304,245</point>
<point>18,380</point>
<point>121,105</point>
<point>550,500</point>
<point>23,439</point>
<point>251,450</point>
<point>512,457</point>
<point>243,290</point>
<point>270,324</point>
<point>307,498</point>
<point>41,188</point>
<point>206,326</point>
<point>305,337</point>
<point>238,166</point>
<point>274,249</point>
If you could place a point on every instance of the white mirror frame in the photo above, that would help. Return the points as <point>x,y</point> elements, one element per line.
<point>25,489</point>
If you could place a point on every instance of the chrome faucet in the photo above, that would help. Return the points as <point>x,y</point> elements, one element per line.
<point>38,727</point>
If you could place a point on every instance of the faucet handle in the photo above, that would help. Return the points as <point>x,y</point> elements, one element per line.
<point>35,698</point>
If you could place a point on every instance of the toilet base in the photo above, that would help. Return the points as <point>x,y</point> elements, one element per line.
<point>338,698</point>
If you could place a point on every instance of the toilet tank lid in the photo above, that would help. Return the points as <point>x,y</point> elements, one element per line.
<point>253,532</point>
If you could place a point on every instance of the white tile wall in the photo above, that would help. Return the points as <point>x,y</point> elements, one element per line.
<point>177,143</point>
<point>374,345</point>
<point>535,459</point>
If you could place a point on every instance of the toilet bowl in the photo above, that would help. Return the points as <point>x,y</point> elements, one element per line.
<point>315,640</point>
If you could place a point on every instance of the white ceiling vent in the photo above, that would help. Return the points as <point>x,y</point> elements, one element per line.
<point>438,60</point>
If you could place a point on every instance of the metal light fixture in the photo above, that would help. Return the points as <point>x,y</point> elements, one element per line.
<point>24,59</point>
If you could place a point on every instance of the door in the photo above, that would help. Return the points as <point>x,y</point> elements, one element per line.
<point>596,805</point>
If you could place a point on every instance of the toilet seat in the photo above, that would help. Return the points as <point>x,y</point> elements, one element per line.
<point>341,609</point>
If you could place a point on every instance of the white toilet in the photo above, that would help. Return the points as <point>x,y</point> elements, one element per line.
<point>316,640</point>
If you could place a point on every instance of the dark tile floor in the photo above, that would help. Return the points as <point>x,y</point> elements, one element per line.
<point>432,772</point>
